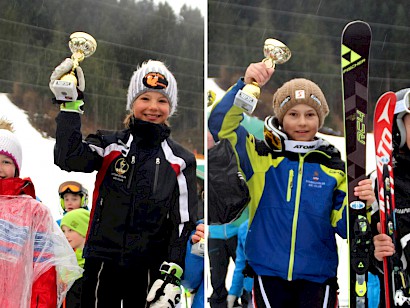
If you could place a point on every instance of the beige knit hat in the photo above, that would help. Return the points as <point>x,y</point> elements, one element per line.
<point>300,91</point>
<point>153,76</point>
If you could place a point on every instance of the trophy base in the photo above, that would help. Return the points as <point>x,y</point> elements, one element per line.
<point>245,101</point>
<point>198,248</point>
<point>65,90</point>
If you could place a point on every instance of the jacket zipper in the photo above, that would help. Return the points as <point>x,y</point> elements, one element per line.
<point>98,220</point>
<point>157,163</point>
<point>290,185</point>
<point>132,172</point>
<point>295,218</point>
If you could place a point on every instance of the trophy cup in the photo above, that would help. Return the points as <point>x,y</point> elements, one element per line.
<point>82,45</point>
<point>275,53</point>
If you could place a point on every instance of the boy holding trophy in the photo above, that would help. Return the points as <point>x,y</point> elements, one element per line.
<point>297,184</point>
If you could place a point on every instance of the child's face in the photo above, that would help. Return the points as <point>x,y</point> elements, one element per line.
<point>72,201</point>
<point>7,167</point>
<point>151,107</point>
<point>301,123</point>
<point>75,239</point>
<point>406,120</point>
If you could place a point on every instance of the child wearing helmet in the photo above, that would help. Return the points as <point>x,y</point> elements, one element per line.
<point>383,246</point>
<point>73,195</point>
<point>297,184</point>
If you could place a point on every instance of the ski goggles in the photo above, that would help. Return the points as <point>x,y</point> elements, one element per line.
<point>70,187</point>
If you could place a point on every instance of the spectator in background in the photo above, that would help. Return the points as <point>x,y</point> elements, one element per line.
<point>73,195</point>
<point>75,225</point>
<point>241,286</point>
<point>222,245</point>
<point>37,265</point>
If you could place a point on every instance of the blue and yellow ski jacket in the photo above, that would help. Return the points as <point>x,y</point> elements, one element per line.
<point>298,201</point>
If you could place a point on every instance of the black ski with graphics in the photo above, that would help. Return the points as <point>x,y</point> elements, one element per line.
<point>355,47</point>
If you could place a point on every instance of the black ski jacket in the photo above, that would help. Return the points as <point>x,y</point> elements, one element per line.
<point>401,167</point>
<point>144,203</point>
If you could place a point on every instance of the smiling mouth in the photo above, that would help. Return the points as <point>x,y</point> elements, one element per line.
<point>152,115</point>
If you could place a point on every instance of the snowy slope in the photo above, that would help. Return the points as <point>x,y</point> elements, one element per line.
<point>38,161</point>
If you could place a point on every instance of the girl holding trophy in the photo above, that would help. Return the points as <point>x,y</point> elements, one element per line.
<point>144,205</point>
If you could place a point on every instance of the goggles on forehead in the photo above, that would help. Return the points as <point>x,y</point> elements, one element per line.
<point>70,187</point>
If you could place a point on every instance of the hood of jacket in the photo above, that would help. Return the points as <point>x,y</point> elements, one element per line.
<point>17,186</point>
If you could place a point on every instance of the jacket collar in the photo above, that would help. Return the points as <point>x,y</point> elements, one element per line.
<point>17,186</point>
<point>149,134</point>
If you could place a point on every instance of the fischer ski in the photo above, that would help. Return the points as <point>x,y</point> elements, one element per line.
<point>356,38</point>
<point>396,290</point>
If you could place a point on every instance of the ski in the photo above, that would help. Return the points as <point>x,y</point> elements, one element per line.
<point>395,279</point>
<point>355,47</point>
<point>383,136</point>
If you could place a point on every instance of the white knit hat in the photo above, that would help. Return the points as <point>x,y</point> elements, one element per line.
<point>10,146</point>
<point>153,76</point>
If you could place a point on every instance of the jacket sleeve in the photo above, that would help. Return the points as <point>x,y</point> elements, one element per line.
<point>71,153</point>
<point>339,210</point>
<point>194,268</point>
<point>225,118</point>
<point>225,123</point>
<point>44,290</point>
<point>184,211</point>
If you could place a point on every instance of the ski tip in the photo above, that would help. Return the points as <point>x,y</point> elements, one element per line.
<point>387,96</point>
<point>385,108</point>
<point>357,24</point>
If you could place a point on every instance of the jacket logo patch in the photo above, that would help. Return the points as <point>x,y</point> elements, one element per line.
<point>121,166</point>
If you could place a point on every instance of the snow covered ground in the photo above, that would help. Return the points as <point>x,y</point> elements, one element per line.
<point>38,160</point>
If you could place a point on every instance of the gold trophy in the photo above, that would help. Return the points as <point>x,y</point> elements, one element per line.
<point>82,45</point>
<point>275,53</point>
